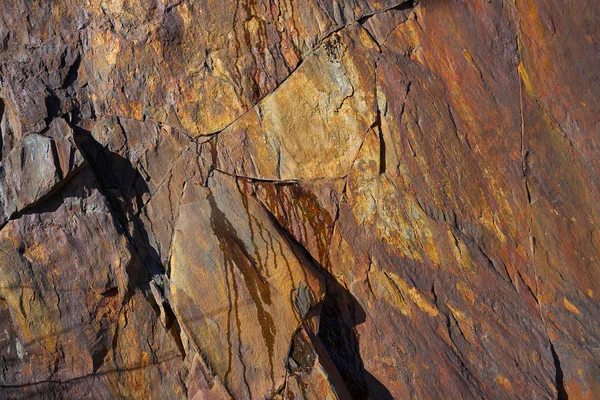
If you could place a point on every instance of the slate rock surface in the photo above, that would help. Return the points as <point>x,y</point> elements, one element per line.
<point>342,199</point>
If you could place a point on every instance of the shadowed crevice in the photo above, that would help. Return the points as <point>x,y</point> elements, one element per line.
<point>560,383</point>
<point>340,314</point>
<point>124,188</point>
<point>404,6</point>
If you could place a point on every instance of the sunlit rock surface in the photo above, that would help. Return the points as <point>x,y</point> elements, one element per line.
<point>299,199</point>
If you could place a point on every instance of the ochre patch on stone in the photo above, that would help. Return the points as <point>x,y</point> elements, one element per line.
<point>299,199</point>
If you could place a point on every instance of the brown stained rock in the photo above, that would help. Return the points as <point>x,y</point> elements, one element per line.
<point>202,386</point>
<point>73,321</point>
<point>233,290</point>
<point>432,277</point>
<point>306,210</point>
<point>200,70</point>
<point>314,123</point>
<point>299,199</point>
<point>36,167</point>
<point>312,374</point>
<point>40,64</point>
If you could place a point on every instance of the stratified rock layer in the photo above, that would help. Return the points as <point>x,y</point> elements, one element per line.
<point>299,199</point>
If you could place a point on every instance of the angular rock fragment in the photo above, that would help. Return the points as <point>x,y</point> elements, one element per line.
<point>71,316</point>
<point>232,289</point>
<point>199,71</point>
<point>144,166</point>
<point>313,124</point>
<point>36,167</point>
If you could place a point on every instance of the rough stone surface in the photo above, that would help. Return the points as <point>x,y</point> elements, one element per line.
<point>299,199</point>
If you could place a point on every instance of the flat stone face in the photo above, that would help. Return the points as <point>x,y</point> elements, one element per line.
<point>237,290</point>
<point>313,124</point>
<point>299,199</point>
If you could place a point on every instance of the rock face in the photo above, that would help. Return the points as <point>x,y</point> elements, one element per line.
<point>299,199</point>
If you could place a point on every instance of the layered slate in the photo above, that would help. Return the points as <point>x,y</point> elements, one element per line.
<point>299,199</point>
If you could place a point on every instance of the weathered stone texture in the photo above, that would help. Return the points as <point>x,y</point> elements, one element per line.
<point>299,199</point>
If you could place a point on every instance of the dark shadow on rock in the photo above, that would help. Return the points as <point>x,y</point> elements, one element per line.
<point>52,386</point>
<point>124,187</point>
<point>340,314</point>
